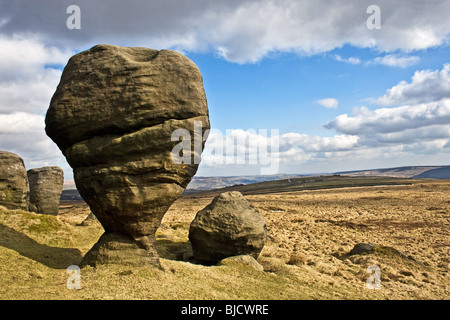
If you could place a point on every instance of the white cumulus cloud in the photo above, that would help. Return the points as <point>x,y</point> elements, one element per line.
<point>28,74</point>
<point>329,103</point>
<point>350,60</point>
<point>402,125</point>
<point>24,134</point>
<point>240,31</point>
<point>393,119</point>
<point>394,60</point>
<point>425,86</point>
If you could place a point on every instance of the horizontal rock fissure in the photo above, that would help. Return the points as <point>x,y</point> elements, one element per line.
<point>120,132</point>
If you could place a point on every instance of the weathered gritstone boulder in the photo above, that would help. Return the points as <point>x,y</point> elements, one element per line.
<point>112,116</point>
<point>46,185</point>
<point>14,187</point>
<point>228,226</point>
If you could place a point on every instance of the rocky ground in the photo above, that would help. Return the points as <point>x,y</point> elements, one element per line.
<point>306,256</point>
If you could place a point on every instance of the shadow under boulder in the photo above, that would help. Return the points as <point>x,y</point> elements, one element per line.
<point>53,257</point>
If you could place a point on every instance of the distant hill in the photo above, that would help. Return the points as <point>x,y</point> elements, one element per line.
<point>71,195</point>
<point>305,183</point>
<point>289,182</point>
<point>210,183</point>
<point>438,173</point>
<point>420,172</point>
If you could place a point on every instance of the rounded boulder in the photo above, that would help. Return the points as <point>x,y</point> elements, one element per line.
<point>228,226</point>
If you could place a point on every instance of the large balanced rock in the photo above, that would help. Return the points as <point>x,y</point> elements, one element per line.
<point>228,226</point>
<point>13,181</point>
<point>113,116</point>
<point>46,185</point>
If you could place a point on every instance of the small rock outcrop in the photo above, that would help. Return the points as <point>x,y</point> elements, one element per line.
<point>46,185</point>
<point>113,116</point>
<point>361,248</point>
<point>369,248</point>
<point>14,188</point>
<point>241,260</point>
<point>90,219</point>
<point>228,226</point>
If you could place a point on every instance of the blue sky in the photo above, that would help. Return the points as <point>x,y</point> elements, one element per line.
<point>282,91</point>
<point>341,96</point>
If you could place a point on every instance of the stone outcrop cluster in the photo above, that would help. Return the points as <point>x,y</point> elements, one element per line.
<point>113,116</point>
<point>38,190</point>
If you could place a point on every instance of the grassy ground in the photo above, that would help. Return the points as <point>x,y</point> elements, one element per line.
<point>305,257</point>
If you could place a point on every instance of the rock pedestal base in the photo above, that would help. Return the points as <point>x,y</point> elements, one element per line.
<point>116,248</point>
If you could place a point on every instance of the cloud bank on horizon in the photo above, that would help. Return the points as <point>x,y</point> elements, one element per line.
<point>410,120</point>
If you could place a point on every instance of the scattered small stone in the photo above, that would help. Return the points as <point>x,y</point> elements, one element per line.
<point>242,260</point>
<point>125,273</point>
<point>407,273</point>
<point>363,248</point>
<point>89,220</point>
<point>297,259</point>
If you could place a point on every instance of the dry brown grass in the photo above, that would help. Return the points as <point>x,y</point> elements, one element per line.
<point>305,257</point>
